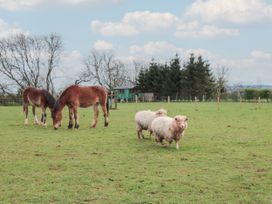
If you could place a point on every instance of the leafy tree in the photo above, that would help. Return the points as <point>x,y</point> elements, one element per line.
<point>265,94</point>
<point>250,94</point>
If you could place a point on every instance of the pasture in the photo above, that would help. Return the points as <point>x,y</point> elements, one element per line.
<point>225,157</point>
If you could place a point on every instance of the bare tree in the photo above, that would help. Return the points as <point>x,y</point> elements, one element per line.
<point>103,68</point>
<point>221,82</point>
<point>4,89</point>
<point>137,67</point>
<point>54,46</point>
<point>29,61</point>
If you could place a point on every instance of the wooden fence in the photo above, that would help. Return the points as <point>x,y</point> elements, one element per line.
<point>11,101</point>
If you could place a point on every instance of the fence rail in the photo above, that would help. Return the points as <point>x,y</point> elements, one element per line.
<point>19,101</point>
<point>11,101</point>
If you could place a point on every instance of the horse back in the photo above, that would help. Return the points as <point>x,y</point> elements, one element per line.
<point>33,96</point>
<point>92,95</point>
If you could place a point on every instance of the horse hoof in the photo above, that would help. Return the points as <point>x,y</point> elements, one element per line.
<point>70,126</point>
<point>76,126</point>
<point>106,124</point>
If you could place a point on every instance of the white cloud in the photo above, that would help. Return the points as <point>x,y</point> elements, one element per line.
<point>102,45</point>
<point>246,70</point>
<point>71,65</point>
<point>233,11</point>
<point>13,5</point>
<point>148,21</point>
<point>135,22</point>
<point>18,4</point>
<point>7,30</point>
<point>260,55</point>
<point>195,29</point>
<point>154,49</point>
<point>138,22</point>
<point>163,51</point>
<point>113,29</point>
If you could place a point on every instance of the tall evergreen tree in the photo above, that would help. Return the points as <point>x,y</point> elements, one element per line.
<point>194,80</point>
<point>174,77</point>
<point>141,81</point>
<point>197,79</point>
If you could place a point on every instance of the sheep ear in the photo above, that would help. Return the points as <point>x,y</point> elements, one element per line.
<point>159,113</point>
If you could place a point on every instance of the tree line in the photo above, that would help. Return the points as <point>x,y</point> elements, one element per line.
<point>193,79</point>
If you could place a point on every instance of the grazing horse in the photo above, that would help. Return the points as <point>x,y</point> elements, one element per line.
<point>37,98</point>
<point>80,96</point>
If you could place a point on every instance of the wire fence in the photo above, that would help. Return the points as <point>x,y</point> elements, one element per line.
<point>113,103</point>
<point>11,101</point>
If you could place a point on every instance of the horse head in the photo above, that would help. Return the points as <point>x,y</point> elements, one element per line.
<point>56,115</point>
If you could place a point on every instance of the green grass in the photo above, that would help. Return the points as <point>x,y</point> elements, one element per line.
<point>225,157</point>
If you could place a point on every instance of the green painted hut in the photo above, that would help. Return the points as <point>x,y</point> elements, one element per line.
<point>125,93</point>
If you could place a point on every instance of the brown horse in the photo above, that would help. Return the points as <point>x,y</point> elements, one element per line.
<point>37,98</point>
<point>76,96</point>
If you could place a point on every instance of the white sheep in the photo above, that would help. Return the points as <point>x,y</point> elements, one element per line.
<point>169,129</point>
<point>144,119</point>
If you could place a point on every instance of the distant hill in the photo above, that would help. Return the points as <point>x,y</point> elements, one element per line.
<point>255,86</point>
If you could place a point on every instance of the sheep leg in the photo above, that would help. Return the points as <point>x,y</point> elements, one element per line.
<point>150,134</point>
<point>139,132</point>
<point>177,145</point>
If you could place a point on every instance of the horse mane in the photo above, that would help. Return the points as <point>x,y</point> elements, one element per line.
<point>49,98</point>
<point>56,107</point>
<point>65,90</point>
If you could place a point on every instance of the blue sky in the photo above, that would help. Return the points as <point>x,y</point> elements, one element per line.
<point>235,34</point>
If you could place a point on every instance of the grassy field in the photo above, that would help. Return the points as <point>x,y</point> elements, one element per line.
<point>225,157</point>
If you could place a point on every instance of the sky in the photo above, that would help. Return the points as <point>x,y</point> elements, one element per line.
<point>235,34</point>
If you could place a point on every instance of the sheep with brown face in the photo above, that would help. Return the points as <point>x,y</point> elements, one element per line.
<point>144,119</point>
<point>169,129</point>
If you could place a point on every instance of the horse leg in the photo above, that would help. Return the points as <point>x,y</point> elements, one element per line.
<point>71,116</point>
<point>76,118</point>
<point>43,120</point>
<point>42,117</point>
<point>36,121</point>
<point>96,112</point>
<point>25,107</point>
<point>106,116</point>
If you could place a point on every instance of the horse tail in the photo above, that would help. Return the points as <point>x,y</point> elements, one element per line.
<point>107,105</point>
<point>25,99</point>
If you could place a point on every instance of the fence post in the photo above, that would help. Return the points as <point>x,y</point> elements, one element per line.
<point>218,103</point>
<point>168,99</point>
